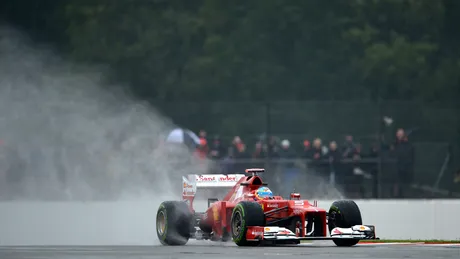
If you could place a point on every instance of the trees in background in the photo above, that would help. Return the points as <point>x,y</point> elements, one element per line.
<point>260,50</point>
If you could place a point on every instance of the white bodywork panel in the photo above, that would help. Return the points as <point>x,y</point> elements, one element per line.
<point>281,233</point>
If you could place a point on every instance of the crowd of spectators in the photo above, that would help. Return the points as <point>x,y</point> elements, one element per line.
<point>343,163</point>
<point>347,165</point>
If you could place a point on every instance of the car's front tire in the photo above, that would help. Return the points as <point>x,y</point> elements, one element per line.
<point>246,214</point>
<point>344,214</point>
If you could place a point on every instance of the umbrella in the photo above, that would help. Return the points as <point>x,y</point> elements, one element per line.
<point>183,136</point>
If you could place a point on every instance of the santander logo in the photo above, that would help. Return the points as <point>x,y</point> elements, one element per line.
<point>227,178</point>
<point>206,178</point>
<point>216,178</point>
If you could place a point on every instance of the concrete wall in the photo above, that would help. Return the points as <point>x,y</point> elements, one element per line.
<point>411,219</point>
<point>133,223</point>
<point>54,223</point>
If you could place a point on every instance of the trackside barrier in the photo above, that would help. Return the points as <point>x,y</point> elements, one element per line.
<point>411,219</point>
<point>133,223</point>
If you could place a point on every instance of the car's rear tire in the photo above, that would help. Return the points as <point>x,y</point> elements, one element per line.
<point>344,214</point>
<point>244,215</point>
<point>174,222</point>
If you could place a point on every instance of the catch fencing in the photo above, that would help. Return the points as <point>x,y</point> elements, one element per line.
<point>434,130</point>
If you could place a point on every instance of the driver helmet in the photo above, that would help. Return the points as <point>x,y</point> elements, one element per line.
<point>263,193</point>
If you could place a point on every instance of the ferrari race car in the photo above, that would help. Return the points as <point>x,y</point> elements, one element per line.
<point>251,215</point>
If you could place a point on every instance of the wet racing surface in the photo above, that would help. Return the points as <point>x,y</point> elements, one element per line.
<point>202,250</point>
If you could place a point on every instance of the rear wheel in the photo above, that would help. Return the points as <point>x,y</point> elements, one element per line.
<point>246,214</point>
<point>174,222</point>
<point>344,214</point>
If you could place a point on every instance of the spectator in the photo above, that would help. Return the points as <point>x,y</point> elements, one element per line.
<point>287,166</point>
<point>238,148</point>
<point>348,148</point>
<point>352,171</point>
<point>404,153</point>
<point>216,153</point>
<point>374,151</point>
<point>316,159</point>
<point>259,151</point>
<point>203,135</point>
<point>307,149</point>
<point>217,150</point>
<point>239,153</point>
<point>357,152</point>
<point>373,168</point>
<point>236,141</point>
<point>272,147</point>
<point>334,157</point>
<point>316,153</point>
<point>358,173</point>
<point>333,154</point>
<point>202,150</point>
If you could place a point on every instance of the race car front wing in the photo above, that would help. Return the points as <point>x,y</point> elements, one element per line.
<point>282,235</point>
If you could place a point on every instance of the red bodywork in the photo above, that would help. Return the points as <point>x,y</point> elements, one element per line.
<point>278,211</point>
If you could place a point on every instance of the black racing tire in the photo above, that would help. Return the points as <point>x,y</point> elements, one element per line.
<point>244,215</point>
<point>344,214</point>
<point>173,223</point>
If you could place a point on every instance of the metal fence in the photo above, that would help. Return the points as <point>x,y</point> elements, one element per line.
<point>433,129</point>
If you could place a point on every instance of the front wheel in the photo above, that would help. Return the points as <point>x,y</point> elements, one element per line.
<point>344,214</point>
<point>246,214</point>
<point>174,221</point>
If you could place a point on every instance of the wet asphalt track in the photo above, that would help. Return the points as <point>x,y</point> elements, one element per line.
<point>202,250</point>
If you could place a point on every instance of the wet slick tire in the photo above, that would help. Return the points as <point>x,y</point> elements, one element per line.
<point>344,214</point>
<point>173,223</point>
<point>244,215</point>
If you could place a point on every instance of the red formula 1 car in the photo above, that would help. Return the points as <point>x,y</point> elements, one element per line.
<point>251,215</point>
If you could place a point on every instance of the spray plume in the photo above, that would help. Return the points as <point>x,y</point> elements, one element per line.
<point>72,137</point>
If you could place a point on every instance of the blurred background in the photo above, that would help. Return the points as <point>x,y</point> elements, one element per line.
<point>359,97</point>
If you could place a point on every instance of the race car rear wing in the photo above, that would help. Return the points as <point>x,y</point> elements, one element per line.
<point>191,183</point>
